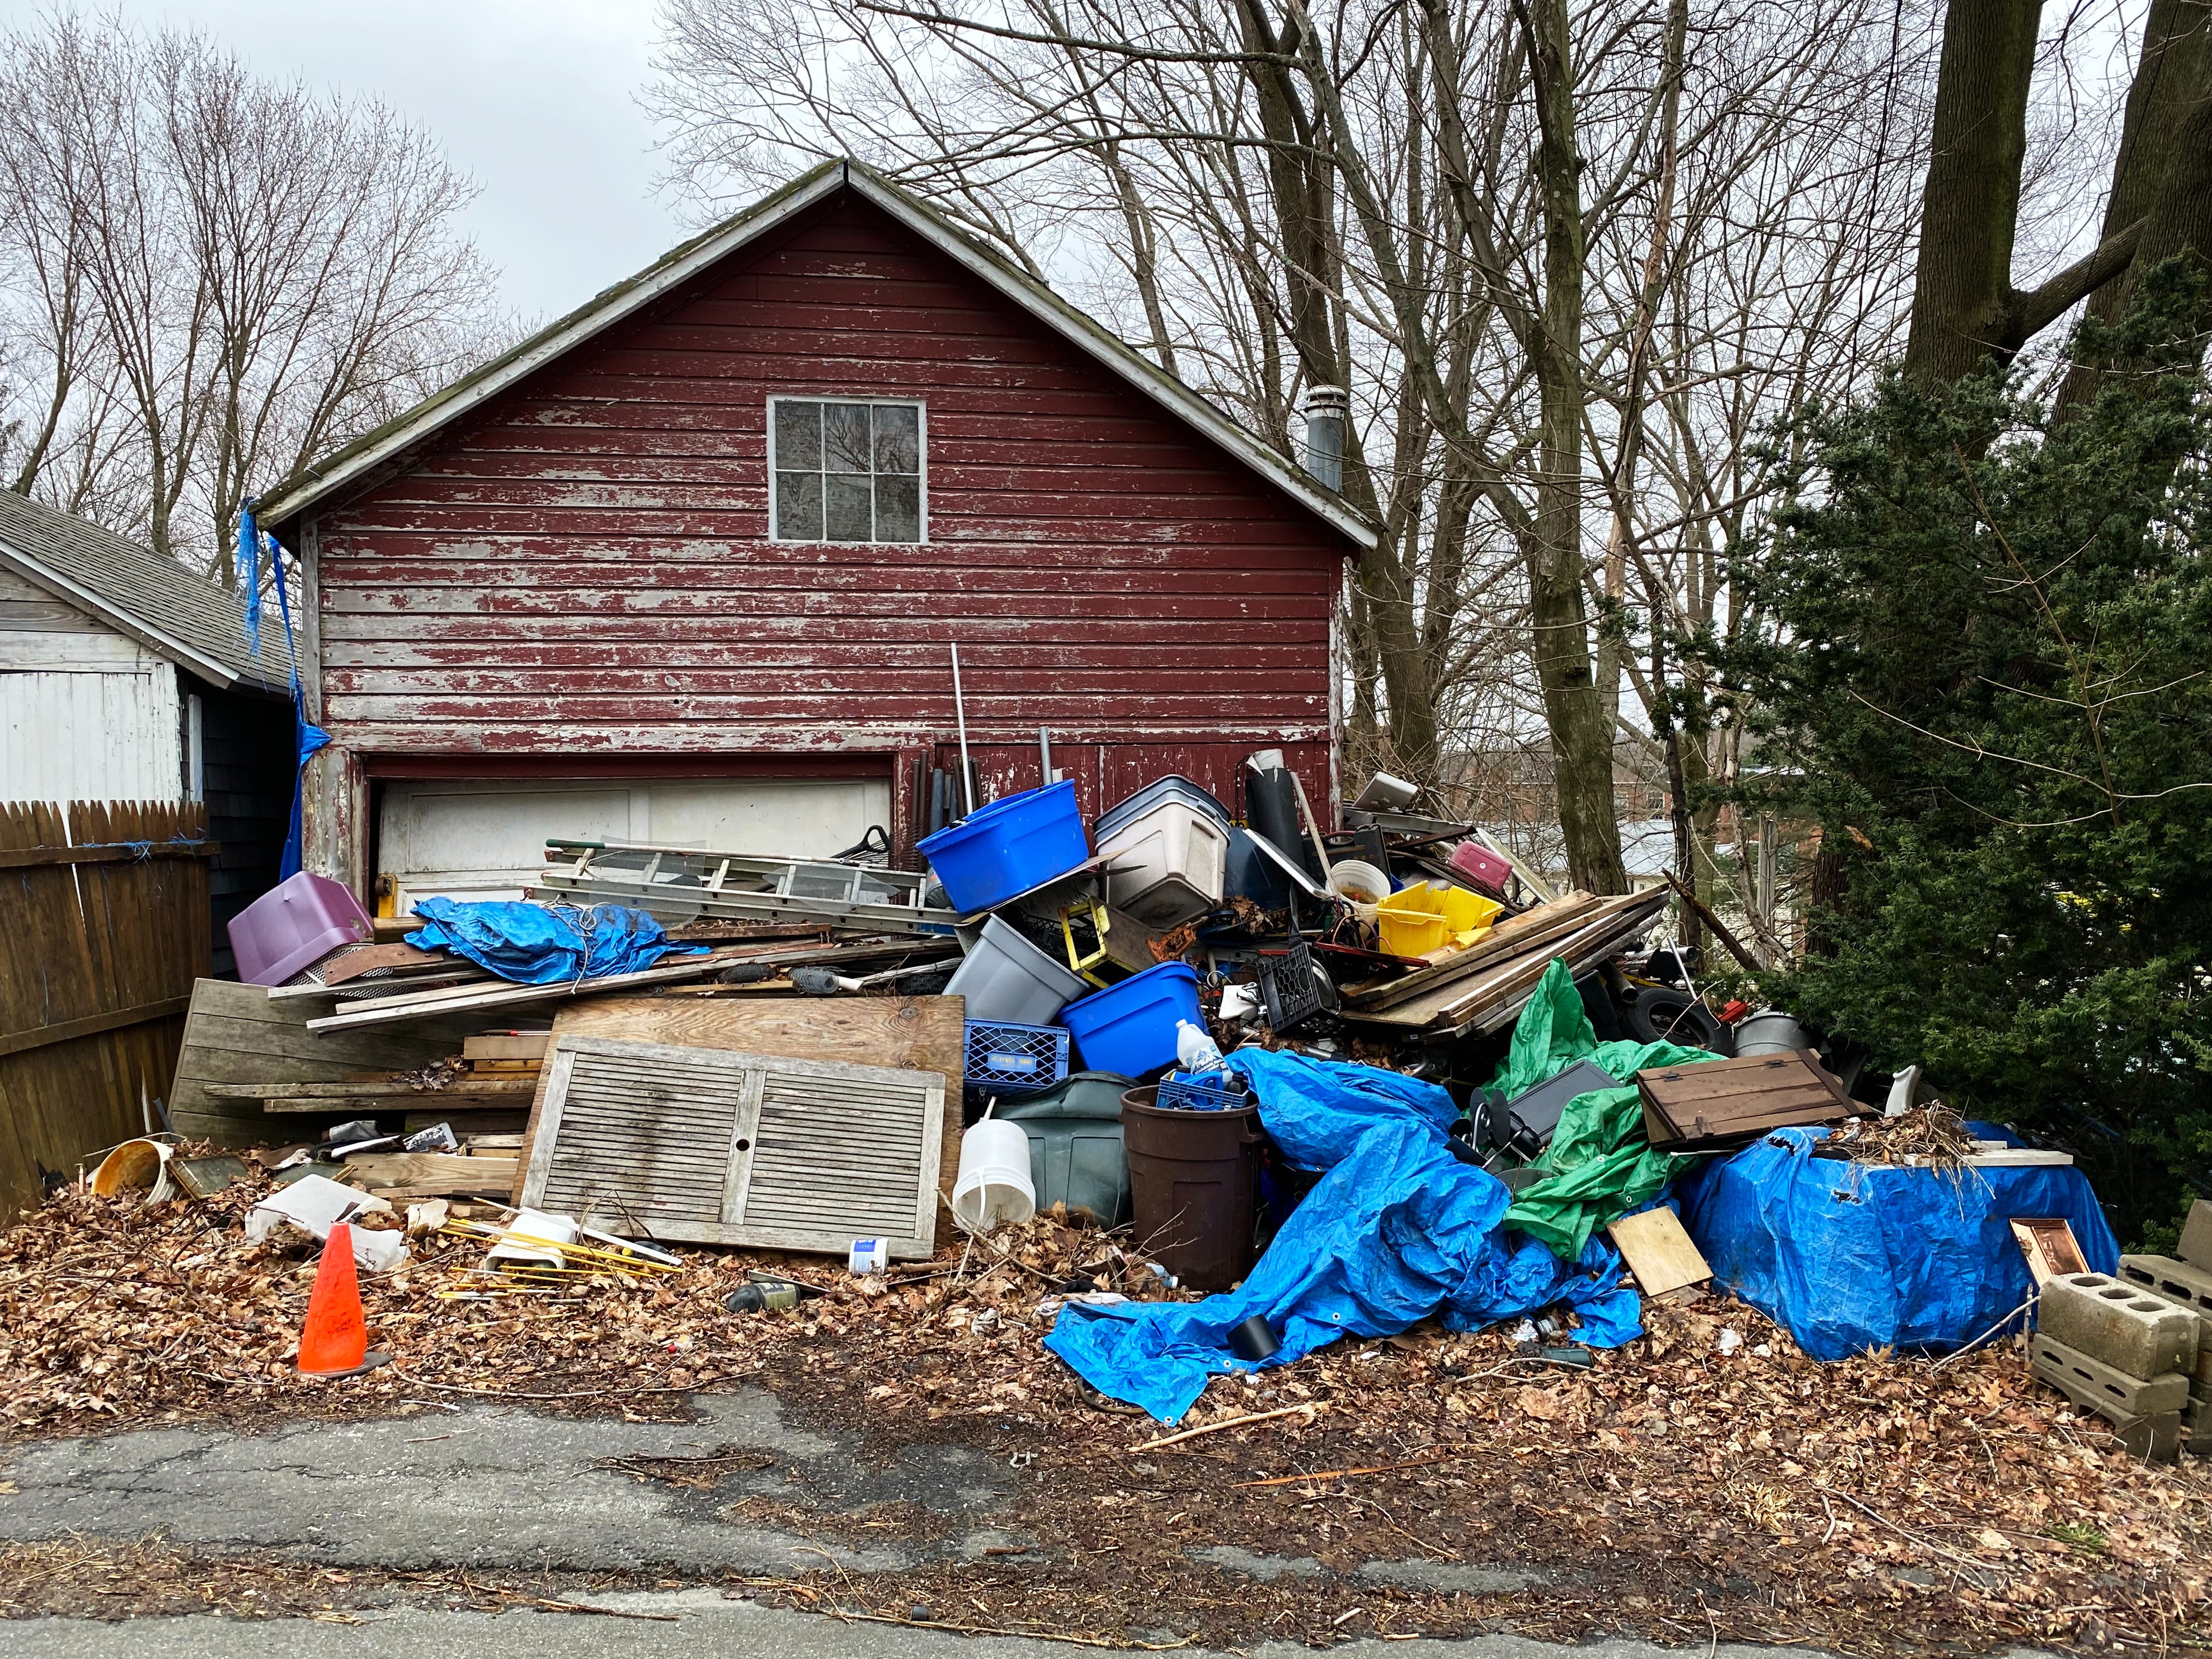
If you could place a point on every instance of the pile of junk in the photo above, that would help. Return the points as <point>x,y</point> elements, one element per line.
<point>1330,1079</point>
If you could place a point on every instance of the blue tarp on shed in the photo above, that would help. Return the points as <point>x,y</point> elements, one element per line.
<point>1852,1256</point>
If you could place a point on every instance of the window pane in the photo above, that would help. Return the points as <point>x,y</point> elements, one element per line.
<point>845,517</point>
<point>898,509</point>
<point>799,434</point>
<point>898,439</point>
<point>845,438</point>
<point>798,507</point>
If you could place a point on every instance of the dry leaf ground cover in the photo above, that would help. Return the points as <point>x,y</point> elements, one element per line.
<point>1675,1491</point>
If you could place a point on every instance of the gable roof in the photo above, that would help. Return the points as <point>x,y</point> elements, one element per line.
<point>171,611</point>
<point>361,459</point>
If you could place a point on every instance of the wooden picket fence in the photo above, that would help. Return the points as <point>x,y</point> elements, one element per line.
<point>104,926</point>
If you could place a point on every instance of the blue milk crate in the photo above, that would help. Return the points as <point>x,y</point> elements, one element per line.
<point>1015,1060</point>
<point>1213,1091</point>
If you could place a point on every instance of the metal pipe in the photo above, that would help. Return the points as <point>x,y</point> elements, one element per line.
<point>1044,754</point>
<point>960,713</point>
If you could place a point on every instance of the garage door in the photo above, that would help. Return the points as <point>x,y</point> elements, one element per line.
<point>485,839</point>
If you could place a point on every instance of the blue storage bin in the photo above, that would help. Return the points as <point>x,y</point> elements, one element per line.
<point>1130,1027</point>
<point>1007,1059</point>
<point>1008,847</point>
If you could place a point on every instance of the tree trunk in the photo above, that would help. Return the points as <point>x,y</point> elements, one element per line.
<point>1969,207</point>
<point>2162,177</point>
<point>1581,740</point>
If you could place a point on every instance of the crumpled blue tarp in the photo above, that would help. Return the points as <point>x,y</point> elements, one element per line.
<point>545,943</point>
<point>1396,1231</point>
<point>1851,1256</point>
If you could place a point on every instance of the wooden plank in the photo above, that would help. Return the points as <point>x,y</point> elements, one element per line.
<point>25,858</point>
<point>494,1046</point>
<point>386,1011</point>
<point>362,958</point>
<point>235,1034</point>
<point>430,1175</point>
<point>1508,938</point>
<point>1464,1000</point>
<point>505,1088</point>
<point>923,1034</point>
<point>17,1043</point>
<point>1659,1252</point>
<point>376,1105</point>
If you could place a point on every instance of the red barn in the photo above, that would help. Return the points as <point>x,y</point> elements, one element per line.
<point>688,566</point>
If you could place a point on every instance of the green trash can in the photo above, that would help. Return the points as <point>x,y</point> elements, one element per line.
<point>1076,1155</point>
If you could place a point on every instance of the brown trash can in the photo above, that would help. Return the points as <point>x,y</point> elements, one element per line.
<point>1194,1185</point>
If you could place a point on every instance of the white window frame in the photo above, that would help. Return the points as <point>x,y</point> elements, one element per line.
<point>921,420</point>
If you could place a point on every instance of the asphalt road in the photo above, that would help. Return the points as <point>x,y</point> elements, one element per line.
<point>707,1627</point>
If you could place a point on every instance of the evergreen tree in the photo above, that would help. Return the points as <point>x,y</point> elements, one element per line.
<point>1988,676</point>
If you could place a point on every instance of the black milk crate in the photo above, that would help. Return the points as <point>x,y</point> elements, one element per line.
<point>1015,1060</point>
<point>1292,987</point>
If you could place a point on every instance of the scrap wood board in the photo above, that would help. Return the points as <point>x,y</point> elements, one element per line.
<point>432,1175</point>
<point>1505,939</point>
<point>1659,1252</point>
<point>719,1146</point>
<point>372,1089</point>
<point>1711,1103</point>
<point>235,1034</point>
<point>923,1034</point>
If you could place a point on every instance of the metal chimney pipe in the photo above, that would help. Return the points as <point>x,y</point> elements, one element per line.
<point>1328,409</point>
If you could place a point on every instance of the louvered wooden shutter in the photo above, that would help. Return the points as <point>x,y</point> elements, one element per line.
<point>713,1147</point>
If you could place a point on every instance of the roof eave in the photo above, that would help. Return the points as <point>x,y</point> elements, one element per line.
<point>345,466</point>
<point>217,673</point>
<point>603,311</point>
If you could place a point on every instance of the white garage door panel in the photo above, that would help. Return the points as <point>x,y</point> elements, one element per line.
<point>486,840</point>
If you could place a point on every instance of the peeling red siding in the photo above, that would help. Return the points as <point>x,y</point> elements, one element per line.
<point>584,567</point>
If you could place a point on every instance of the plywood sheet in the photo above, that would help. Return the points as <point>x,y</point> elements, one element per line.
<point>921,1034</point>
<point>1659,1252</point>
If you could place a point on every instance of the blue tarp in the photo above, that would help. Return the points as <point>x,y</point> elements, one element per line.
<point>545,943</point>
<point>1851,1256</point>
<point>1397,1229</point>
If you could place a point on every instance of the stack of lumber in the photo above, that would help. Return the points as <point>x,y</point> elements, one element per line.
<point>1482,986</point>
<point>401,985</point>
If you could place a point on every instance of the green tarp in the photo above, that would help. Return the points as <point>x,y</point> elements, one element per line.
<point>1601,1165</point>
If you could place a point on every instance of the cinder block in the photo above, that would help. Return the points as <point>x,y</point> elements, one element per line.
<point>2153,1439</point>
<point>2089,1382</point>
<point>2128,1327</point>
<point>2197,1427</point>
<point>2177,1281</point>
<point>2197,1235</point>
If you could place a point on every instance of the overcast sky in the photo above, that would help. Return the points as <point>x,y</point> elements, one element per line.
<point>535,98</point>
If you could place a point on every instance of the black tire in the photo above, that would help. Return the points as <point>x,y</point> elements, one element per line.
<point>1663,1014</point>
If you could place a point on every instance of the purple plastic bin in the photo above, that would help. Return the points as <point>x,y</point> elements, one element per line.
<point>295,924</point>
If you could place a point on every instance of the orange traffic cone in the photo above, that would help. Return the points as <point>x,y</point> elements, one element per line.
<point>334,1342</point>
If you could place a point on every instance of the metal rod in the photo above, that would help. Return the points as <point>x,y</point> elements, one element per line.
<point>960,712</point>
<point>1044,753</point>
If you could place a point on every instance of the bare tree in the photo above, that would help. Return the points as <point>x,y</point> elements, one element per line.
<point>209,279</point>
<point>1965,309</point>
<point>1570,260</point>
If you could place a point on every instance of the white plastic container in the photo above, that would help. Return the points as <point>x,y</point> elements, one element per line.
<point>993,1189</point>
<point>1165,866</point>
<point>1008,979</point>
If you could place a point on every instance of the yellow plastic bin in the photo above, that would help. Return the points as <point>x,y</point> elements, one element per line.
<point>1430,915</point>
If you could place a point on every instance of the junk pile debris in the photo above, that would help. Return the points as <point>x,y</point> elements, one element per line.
<point>1265,1084</point>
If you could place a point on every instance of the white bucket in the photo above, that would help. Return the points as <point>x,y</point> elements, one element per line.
<point>994,1189</point>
